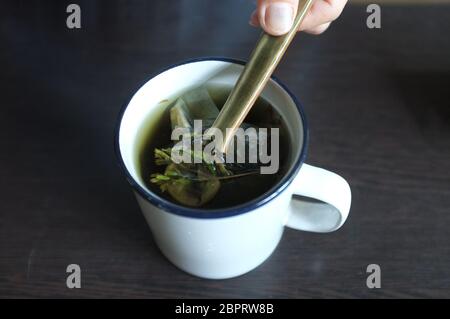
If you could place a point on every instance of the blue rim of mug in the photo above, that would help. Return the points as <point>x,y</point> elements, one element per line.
<point>199,213</point>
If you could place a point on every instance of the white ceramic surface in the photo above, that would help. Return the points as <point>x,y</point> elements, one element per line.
<point>230,242</point>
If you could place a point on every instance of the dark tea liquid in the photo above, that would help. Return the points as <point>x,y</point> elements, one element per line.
<point>156,133</point>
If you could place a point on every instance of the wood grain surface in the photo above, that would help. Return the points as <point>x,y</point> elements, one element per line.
<point>378,104</point>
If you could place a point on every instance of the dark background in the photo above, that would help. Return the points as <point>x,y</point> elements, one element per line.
<point>379,112</point>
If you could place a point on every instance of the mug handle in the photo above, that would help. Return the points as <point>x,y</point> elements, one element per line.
<point>329,208</point>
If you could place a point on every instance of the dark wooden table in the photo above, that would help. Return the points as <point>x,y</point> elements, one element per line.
<point>378,103</point>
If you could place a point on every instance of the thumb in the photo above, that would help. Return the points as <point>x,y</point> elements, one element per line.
<point>276,16</point>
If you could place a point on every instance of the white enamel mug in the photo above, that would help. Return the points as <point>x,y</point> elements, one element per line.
<point>225,243</point>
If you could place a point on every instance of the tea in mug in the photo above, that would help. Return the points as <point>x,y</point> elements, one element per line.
<point>198,181</point>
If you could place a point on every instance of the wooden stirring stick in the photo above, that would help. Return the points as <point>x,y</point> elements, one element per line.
<point>263,61</point>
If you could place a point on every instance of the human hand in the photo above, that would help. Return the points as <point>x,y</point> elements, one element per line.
<point>276,16</point>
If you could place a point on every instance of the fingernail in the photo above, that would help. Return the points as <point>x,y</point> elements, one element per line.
<point>279,17</point>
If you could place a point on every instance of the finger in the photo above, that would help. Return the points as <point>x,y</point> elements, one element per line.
<point>276,16</point>
<point>318,19</point>
<point>322,12</point>
<point>254,21</point>
<point>319,29</point>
